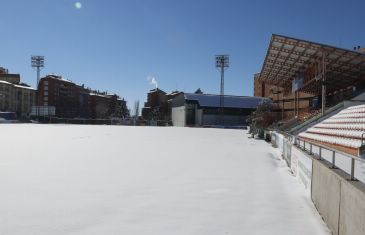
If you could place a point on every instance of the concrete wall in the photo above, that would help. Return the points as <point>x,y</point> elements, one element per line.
<point>326,188</point>
<point>340,202</point>
<point>301,167</point>
<point>178,116</point>
<point>229,120</point>
<point>198,117</point>
<point>352,208</point>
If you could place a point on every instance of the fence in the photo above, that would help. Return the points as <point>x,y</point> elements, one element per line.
<point>337,159</point>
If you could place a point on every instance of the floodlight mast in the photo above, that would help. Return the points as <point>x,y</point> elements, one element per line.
<point>37,62</point>
<point>222,62</point>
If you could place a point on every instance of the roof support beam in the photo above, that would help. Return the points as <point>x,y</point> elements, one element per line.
<point>286,57</point>
<point>276,57</point>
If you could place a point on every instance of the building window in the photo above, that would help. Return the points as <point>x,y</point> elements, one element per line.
<point>45,93</point>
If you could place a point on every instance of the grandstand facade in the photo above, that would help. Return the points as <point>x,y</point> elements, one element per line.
<point>284,105</point>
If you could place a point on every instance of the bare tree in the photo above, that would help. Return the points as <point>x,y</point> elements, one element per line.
<point>136,109</point>
<point>262,117</point>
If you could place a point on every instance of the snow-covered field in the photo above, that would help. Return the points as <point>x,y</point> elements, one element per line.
<point>69,179</point>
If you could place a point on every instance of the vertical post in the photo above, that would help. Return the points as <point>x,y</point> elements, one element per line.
<point>323,82</point>
<point>320,153</point>
<point>310,149</point>
<point>295,103</point>
<point>38,95</point>
<point>278,104</point>
<point>222,92</point>
<point>352,169</point>
<point>333,160</point>
<point>298,101</point>
<point>282,108</point>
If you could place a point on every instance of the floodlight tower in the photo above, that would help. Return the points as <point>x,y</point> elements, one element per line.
<point>38,62</point>
<point>222,62</point>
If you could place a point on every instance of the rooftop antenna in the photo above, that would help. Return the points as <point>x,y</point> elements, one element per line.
<point>222,62</point>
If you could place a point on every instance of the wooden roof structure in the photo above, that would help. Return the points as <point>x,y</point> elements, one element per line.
<point>288,57</point>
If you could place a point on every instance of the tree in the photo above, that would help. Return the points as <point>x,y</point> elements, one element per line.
<point>262,117</point>
<point>136,109</point>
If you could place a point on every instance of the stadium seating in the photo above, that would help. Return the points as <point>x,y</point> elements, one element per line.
<point>344,130</point>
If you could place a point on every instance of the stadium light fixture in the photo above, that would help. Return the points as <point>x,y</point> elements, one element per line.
<point>222,62</point>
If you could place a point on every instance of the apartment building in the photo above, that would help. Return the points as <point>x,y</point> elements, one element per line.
<point>15,96</point>
<point>70,100</point>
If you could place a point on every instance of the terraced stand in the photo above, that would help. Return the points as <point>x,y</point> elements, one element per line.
<point>344,131</point>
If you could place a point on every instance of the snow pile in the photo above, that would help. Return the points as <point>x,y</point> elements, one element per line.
<point>59,179</point>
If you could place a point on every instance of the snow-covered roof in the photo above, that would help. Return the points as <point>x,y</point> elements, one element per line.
<point>18,86</point>
<point>230,101</point>
<point>25,87</point>
<point>174,93</point>
<point>100,95</point>
<point>58,77</point>
<point>5,82</point>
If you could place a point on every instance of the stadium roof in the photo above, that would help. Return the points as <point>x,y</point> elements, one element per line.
<point>213,101</point>
<point>287,57</point>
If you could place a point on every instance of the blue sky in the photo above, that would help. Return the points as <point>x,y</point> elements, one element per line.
<point>115,45</point>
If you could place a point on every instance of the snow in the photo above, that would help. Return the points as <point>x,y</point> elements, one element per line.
<point>69,179</point>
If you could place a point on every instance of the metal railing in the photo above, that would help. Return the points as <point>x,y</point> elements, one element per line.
<point>318,156</point>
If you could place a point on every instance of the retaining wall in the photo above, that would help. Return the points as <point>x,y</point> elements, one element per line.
<point>340,202</point>
<point>301,167</point>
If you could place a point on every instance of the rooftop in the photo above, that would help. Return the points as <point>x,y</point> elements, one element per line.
<point>230,101</point>
<point>25,87</point>
<point>100,95</point>
<point>9,75</point>
<point>16,85</point>
<point>58,77</point>
<point>157,90</point>
<point>5,82</point>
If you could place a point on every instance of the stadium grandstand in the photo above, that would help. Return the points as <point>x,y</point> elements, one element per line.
<point>316,89</point>
<point>344,131</point>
